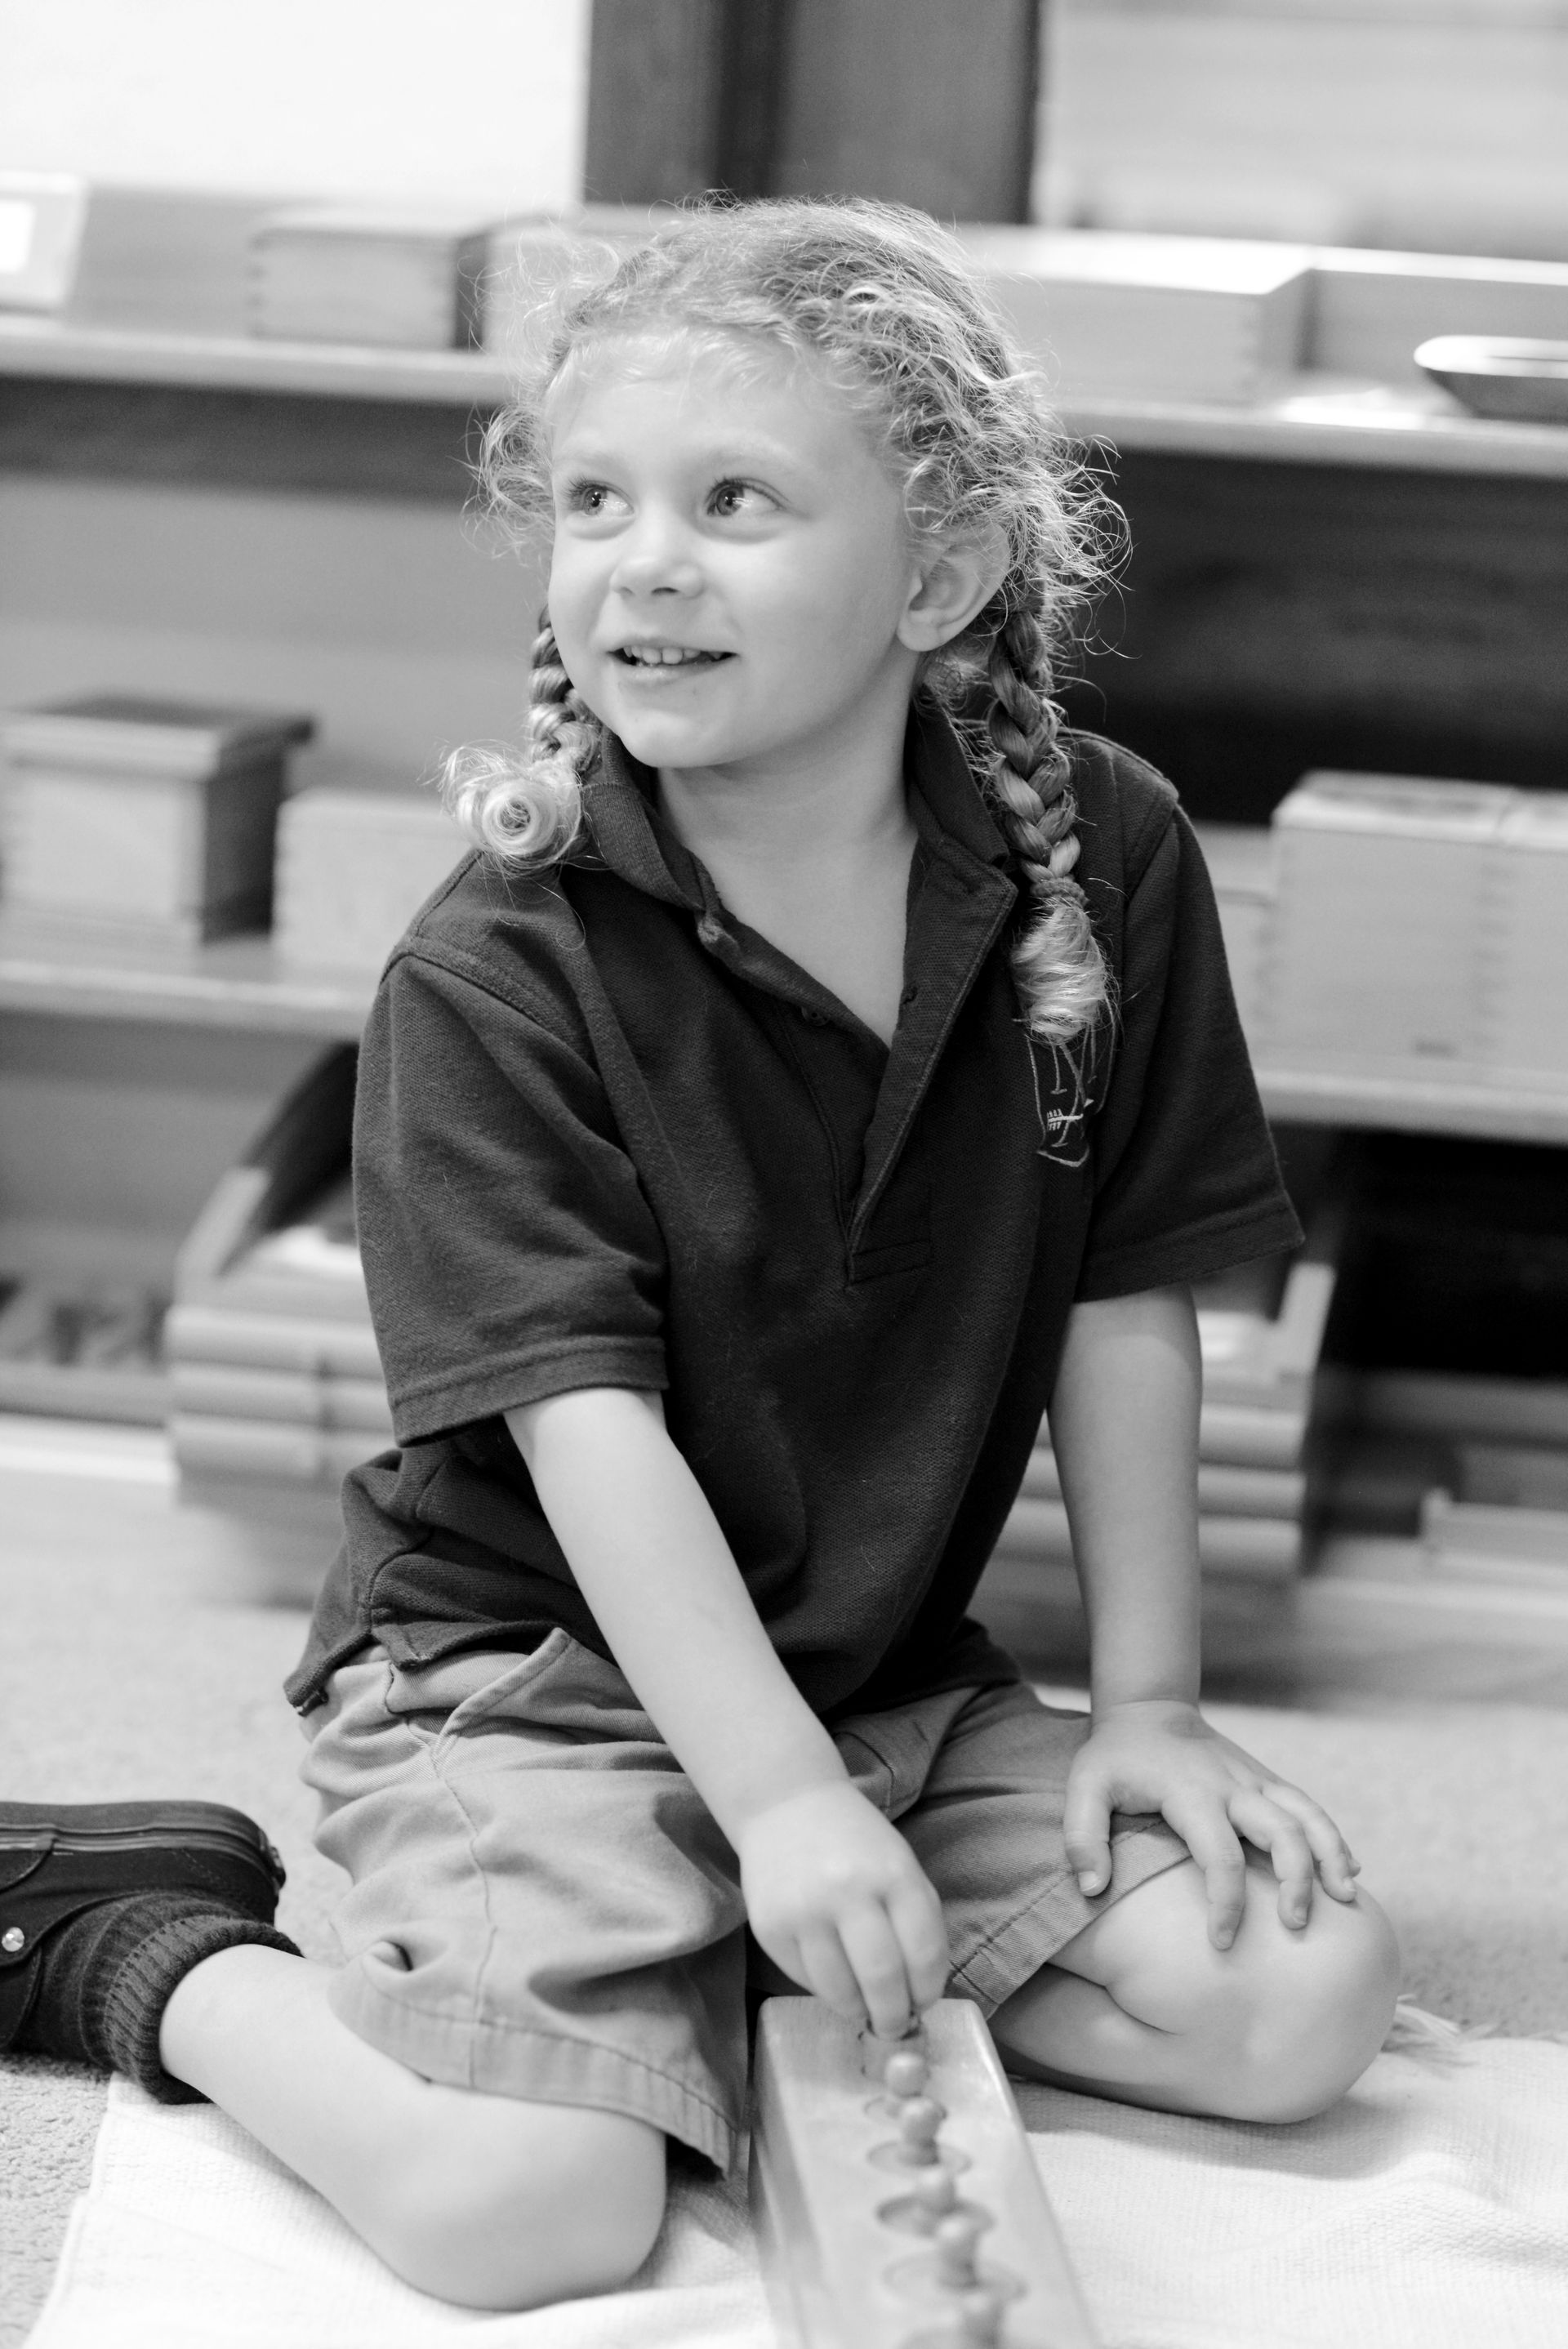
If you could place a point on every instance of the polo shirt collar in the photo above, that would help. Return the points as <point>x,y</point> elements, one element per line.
<point>957,914</point>
<point>636,843</point>
<point>944,790</point>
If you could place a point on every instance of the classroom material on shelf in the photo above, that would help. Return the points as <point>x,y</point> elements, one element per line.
<point>1475,1466</point>
<point>1261,1329</point>
<point>1528,904</point>
<point>353,869</point>
<point>1378,947</point>
<point>1173,319</point>
<point>410,278</point>
<point>1176,319</point>
<point>1241,862</point>
<point>1420,929</point>
<point>1518,378</point>
<point>1477,1540</point>
<point>273,1373</point>
<point>42,216</point>
<point>144,821</point>
<point>76,1353</point>
<point>896,2200</point>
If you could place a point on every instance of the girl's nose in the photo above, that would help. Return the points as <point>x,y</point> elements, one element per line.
<point>656,557</point>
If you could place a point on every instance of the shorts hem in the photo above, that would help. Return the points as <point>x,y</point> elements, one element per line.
<point>1004,1960</point>
<point>501,2059</point>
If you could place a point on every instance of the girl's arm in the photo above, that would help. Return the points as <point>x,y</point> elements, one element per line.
<point>1124,1427</point>
<point>832,1891</point>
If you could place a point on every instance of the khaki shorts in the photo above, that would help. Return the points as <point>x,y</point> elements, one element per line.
<point>542,1906</point>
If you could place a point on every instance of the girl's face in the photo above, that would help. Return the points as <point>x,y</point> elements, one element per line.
<point>732,570</point>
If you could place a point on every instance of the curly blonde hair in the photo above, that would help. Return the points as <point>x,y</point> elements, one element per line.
<point>885,304</point>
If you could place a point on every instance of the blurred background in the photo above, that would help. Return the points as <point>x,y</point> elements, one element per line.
<point>262,274</point>
<point>1423,125</point>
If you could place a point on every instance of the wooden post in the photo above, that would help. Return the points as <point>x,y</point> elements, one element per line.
<point>916,100</point>
<point>654,92</point>
<point>919,102</point>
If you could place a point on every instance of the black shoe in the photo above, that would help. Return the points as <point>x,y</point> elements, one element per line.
<point>59,1860</point>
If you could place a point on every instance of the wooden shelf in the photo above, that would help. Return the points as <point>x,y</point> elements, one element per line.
<point>235,983</point>
<point>1498,1109</point>
<point>1330,420</point>
<point>243,984</point>
<point>1314,418</point>
<point>61,350</point>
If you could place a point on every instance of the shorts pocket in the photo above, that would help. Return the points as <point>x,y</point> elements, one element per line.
<point>558,1688</point>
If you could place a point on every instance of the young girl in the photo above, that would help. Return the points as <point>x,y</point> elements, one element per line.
<point>796,1094</point>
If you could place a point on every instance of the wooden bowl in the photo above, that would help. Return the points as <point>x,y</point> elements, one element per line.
<point>1507,375</point>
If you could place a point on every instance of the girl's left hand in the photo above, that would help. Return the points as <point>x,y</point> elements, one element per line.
<point>1162,1756</point>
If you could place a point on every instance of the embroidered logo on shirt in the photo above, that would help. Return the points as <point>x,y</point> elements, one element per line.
<point>1063,1139</point>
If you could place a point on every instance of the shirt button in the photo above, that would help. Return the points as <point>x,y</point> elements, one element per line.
<point>908,996</point>
<point>11,1940</point>
<point>812,1019</point>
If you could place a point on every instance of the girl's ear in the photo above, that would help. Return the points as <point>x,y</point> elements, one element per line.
<point>949,589</point>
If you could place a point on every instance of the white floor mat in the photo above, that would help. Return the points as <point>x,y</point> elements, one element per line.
<point>1429,2210</point>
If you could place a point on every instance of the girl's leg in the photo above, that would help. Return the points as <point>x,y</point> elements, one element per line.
<point>482,2200</point>
<point>1142,2007</point>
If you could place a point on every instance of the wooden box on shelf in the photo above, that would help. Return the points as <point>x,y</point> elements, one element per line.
<point>353,869</point>
<point>359,273</point>
<point>1380,951</point>
<point>1174,319</point>
<point>1529,906</point>
<point>142,821</point>
<point>1241,862</point>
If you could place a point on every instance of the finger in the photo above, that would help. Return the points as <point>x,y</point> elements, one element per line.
<point>1270,1827</point>
<point>829,1974</point>
<point>917,1919</point>
<point>1213,1844</point>
<point>1337,1863</point>
<point>869,1942</point>
<point>1085,1828</point>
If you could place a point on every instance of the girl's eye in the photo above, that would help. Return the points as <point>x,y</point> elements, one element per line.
<point>732,498</point>
<point>595,499</point>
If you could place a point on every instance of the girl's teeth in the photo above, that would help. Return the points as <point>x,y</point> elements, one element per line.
<point>661,657</point>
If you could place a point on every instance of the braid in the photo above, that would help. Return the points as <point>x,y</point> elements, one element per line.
<point>553,701</point>
<point>1057,964</point>
<point>530,817</point>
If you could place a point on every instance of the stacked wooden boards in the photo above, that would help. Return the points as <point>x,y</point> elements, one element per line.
<point>273,1372</point>
<point>1262,1332</point>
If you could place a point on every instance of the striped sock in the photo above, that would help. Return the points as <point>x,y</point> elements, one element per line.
<point>107,1975</point>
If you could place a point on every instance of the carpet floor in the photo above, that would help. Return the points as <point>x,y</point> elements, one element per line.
<point>145,1647</point>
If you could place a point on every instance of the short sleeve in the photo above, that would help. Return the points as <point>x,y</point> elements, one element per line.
<point>509,1248</point>
<point>1186,1179</point>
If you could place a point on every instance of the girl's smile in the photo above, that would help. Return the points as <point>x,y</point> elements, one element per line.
<point>731,563</point>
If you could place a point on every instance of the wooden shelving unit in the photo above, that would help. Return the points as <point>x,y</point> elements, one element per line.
<point>305,501</point>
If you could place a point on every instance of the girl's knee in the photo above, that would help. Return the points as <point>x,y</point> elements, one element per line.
<point>504,2205</point>
<point>1315,2010</point>
<point>1276,2027</point>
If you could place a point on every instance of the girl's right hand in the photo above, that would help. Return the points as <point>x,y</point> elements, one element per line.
<point>837,1897</point>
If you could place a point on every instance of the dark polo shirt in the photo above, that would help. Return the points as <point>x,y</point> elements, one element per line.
<point>609,1136</point>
